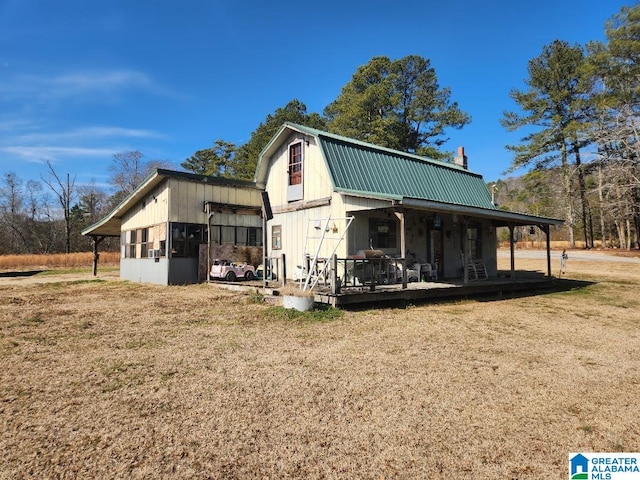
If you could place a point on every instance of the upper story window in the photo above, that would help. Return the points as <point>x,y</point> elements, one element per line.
<point>295,164</point>
<point>295,171</point>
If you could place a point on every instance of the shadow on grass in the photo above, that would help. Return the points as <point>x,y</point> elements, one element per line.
<point>25,273</point>
<point>527,284</point>
<point>556,285</point>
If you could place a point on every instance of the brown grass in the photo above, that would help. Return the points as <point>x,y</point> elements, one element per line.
<point>57,260</point>
<point>113,380</point>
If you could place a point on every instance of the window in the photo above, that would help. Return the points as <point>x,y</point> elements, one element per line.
<point>294,172</point>
<point>146,242</point>
<point>254,236</point>
<point>382,233</point>
<point>295,164</point>
<point>276,237</point>
<point>126,244</point>
<point>228,235</point>
<point>186,239</point>
<point>249,236</point>
<point>474,242</point>
<point>243,236</point>
<point>132,244</point>
<point>137,243</point>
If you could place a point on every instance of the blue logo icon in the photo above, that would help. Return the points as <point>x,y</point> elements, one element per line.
<point>579,467</point>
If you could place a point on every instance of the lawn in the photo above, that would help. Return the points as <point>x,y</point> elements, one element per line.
<point>108,379</point>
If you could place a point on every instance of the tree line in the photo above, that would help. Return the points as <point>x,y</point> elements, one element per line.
<point>579,108</point>
<point>48,216</point>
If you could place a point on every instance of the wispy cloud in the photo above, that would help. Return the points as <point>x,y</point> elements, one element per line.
<point>76,84</point>
<point>85,134</point>
<point>41,154</point>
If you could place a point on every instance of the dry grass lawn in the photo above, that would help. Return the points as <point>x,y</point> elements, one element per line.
<point>106,379</point>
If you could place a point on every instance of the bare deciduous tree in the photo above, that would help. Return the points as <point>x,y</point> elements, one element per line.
<point>65,192</point>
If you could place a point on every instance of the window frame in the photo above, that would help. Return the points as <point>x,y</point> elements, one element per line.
<point>383,233</point>
<point>192,236</point>
<point>295,163</point>
<point>276,237</point>
<point>236,235</point>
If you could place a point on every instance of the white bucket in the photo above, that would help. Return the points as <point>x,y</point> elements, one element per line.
<point>302,304</point>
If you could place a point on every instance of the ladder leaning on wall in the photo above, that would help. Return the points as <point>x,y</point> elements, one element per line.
<point>317,230</point>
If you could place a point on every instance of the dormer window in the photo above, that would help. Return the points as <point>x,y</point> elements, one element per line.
<point>294,172</point>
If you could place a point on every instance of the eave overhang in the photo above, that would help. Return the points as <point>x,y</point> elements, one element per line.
<point>500,218</point>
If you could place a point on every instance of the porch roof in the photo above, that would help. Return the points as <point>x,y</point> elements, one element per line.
<point>500,218</point>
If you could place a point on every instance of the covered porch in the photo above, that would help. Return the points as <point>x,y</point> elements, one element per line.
<point>416,250</point>
<point>444,241</point>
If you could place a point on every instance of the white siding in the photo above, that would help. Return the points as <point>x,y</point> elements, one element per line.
<point>355,204</point>
<point>315,178</point>
<point>151,210</point>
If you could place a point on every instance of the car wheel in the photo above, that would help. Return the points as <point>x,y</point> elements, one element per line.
<point>230,277</point>
<point>248,275</point>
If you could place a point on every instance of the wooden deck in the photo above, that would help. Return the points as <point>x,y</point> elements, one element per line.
<point>524,283</point>
<point>431,291</point>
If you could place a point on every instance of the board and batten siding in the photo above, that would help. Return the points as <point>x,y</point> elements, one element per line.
<point>188,198</point>
<point>315,178</point>
<point>151,210</point>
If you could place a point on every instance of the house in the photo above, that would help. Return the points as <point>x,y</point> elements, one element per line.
<point>325,197</point>
<point>166,224</point>
<point>335,196</point>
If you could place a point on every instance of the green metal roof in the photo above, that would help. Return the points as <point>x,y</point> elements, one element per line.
<point>366,169</point>
<point>356,167</point>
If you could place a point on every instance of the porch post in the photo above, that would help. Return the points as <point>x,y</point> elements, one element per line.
<point>546,230</point>
<point>465,249</point>
<point>335,288</point>
<point>403,248</point>
<point>403,242</point>
<point>512,250</point>
<point>96,255</point>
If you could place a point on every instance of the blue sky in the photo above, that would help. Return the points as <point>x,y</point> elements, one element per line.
<point>82,80</point>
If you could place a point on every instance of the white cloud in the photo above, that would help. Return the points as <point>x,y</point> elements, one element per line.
<point>41,154</point>
<point>98,84</point>
<point>85,134</point>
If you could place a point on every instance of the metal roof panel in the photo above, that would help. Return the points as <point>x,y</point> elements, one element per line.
<point>366,168</point>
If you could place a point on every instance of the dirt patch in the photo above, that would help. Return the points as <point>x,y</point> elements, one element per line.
<point>108,379</point>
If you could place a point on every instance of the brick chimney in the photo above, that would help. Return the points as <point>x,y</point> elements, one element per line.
<point>461,159</point>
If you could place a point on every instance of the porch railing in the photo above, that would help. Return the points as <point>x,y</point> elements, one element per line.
<point>339,273</point>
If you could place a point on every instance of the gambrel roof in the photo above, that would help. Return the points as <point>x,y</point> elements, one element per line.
<point>363,169</point>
